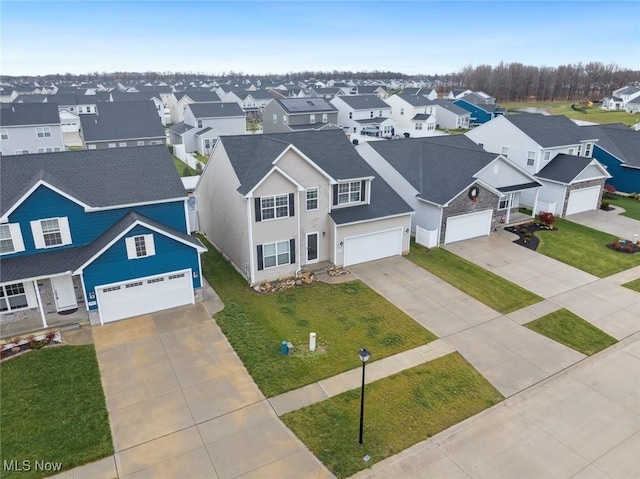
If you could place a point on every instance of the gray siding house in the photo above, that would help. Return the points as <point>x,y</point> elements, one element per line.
<point>297,114</point>
<point>30,128</point>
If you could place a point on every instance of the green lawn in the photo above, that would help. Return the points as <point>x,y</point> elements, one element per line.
<point>345,318</point>
<point>182,168</point>
<point>594,114</point>
<point>632,207</point>
<point>486,287</point>
<point>566,328</point>
<point>53,409</point>
<point>201,158</point>
<point>400,411</point>
<point>634,285</point>
<point>584,248</point>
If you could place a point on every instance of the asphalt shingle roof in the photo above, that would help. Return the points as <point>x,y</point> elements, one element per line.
<point>19,114</point>
<point>550,130</point>
<point>564,168</point>
<point>618,140</point>
<point>216,110</point>
<point>180,128</point>
<point>122,120</point>
<point>305,105</point>
<point>364,102</point>
<point>198,96</point>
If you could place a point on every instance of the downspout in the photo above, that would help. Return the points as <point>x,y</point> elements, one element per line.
<point>251,259</point>
<point>299,262</point>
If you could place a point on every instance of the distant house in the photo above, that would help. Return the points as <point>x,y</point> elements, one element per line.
<point>179,101</point>
<point>414,115</point>
<point>122,124</point>
<point>296,114</point>
<point>364,115</point>
<point>326,93</point>
<point>252,102</point>
<point>480,112</point>
<point>30,128</point>
<point>164,114</point>
<point>621,97</point>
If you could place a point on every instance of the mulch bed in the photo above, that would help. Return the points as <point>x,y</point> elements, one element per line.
<point>531,242</point>
<point>624,246</point>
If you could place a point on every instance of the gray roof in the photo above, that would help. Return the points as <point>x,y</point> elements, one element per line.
<point>564,168</point>
<point>216,110</point>
<point>619,141</point>
<point>18,114</point>
<point>305,105</point>
<point>135,96</point>
<point>421,117</point>
<point>198,96</point>
<point>30,99</point>
<point>126,176</point>
<point>449,105</point>
<point>364,102</point>
<point>439,169</point>
<point>180,128</point>
<point>375,120</point>
<point>314,127</point>
<point>415,100</point>
<point>550,130</point>
<point>203,131</point>
<point>252,158</point>
<point>122,120</point>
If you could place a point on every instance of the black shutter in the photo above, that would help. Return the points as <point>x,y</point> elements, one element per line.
<point>292,251</point>
<point>260,259</point>
<point>335,194</point>
<point>363,195</point>
<point>258,205</point>
<point>291,208</point>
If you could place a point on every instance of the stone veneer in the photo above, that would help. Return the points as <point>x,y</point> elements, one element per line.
<point>579,186</point>
<point>46,293</point>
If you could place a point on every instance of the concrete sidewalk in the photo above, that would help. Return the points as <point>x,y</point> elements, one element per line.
<point>611,222</point>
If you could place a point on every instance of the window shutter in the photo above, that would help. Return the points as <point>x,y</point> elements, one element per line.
<point>131,247</point>
<point>292,251</point>
<point>36,230</point>
<point>16,237</point>
<point>335,194</point>
<point>258,208</point>
<point>363,195</point>
<point>260,259</point>
<point>291,206</point>
<point>65,231</point>
<point>149,245</point>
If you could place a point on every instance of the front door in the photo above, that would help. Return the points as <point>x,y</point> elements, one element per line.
<point>312,248</point>
<point>64,293</point>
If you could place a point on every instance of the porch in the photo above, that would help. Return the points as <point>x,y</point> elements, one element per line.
<point>34,324</point>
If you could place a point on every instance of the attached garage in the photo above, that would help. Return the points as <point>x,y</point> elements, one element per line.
<point>584,199</point>
<point>372,246</point>
<point>144,295</point>
<point>468,226</point>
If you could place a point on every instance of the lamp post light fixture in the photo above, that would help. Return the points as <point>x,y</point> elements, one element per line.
<point>364,357</point>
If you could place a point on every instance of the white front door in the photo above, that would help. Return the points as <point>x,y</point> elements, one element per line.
<point>64,293</point>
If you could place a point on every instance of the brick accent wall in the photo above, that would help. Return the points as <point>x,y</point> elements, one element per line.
<point>487,200</point>
<point>22,314</point>
<point>579,186</point>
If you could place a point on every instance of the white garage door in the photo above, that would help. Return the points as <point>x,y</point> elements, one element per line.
<point>463,227</point>
<point>585,199</point>
<point>360,249</point>
<point>144,295</point>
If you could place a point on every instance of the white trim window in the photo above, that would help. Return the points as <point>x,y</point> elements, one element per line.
<point>401,111</point>
<point>112,145</point>
<point>4,134</point>
<point>275,118</point>
<point>122,144</point>
<point>139,143</point>
<point>325,118</point>
<point>588,149</point>
<point>43,132</point>
<point>51,232</point>
<point>312,119</point>
<point>12,297</point>
<point>284,119</point>
<point>92,147</point>
<point>531,158</point>
<point>547,155</point>
<point>274,207</point>
<point>503,204</point>
<point>312,199</point>
<point>156,142</point>
<point>349,192</point>
<point>418,126</point>
<point>11,238</point>
<point>199,123</point>
<point>505,151</point>
<point>140,246</point>
<point>48,149</point>
<point>276,254</point>
<point>570,151</point>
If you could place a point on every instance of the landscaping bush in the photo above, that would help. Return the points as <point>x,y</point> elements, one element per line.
<point>605,205</point>
<point>523,231</point>
<point>547,218</point>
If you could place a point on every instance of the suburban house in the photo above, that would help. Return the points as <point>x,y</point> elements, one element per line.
<point>618,149</point>
<point>113,248</point>
<point>448,115</point>
<point>326,93</point>
<point>80,104</point>
<point>276,203</point>
<point>457,190</point>
<point>364,115</point>
<point>122,124</point>
<point>30,128</point>
<point>456,94</point>
<point>621,97</point>
<point>179,101</point>
<point>553,149</point>
<point>376,90</point>
<point>204,123</point>
<point>295,114</point>
<point>252,102</point>
<point>413,115</point>
<point>480,112</point>
<point>163,113</point>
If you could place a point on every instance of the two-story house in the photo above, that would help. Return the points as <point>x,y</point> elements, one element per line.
<point>104,231</point>
<point>30,128</point>
<point>296,114</point>
<point>277,203</point>
<point>556,151</point>
<point>163,113</point>
<point>621,97</point>
<point>252,102</point>
<point>414,116</point>
<point>364,115</point>
<point>179,101</point>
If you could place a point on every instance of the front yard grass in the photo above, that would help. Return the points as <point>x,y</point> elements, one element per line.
<point>632,207</point>
<point>584,248</point>
<point>345,317</point>
<point>566,328</point>
<point>594,114</point>
<point>488,288</point>
<point>53,410</point>
<point>634,285</point>
<point>400,410</point>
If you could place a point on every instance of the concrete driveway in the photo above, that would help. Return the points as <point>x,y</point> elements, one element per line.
<point>611,222</point>
<point>181,404</point>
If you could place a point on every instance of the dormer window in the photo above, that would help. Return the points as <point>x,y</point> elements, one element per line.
<point>588,149</point>
<point>350,192</point>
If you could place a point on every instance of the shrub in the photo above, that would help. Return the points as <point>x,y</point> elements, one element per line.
<point>617,246</point>
<point>605,204</point>
<point>547,218</point>
<point>523,231</point>
<point>628,248</point>
<point>609,188</point>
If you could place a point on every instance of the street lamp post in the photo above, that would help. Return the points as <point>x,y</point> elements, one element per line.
<point>364,357</point>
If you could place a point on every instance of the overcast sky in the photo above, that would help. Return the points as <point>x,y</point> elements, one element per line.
<point>286,36</point>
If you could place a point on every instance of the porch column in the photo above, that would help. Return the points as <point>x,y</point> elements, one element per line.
<point>509,203</point>
<point>40,307</point>
<point>535,202</point>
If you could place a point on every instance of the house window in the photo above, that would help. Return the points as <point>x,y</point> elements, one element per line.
<point>380,113</point>
<point>284,119</point>
<point>4,134</point>
<point>276,254</point>
<point>505,151</point>
<point>312,119</point>
<point>199,123</point>
<point>350,115</point>
<point>207,143</point>
<point>43,132</point>
<point>122,144</point>
<point>22,152</point>
<point>401,111</point>
<point>547,155</point>
<point>275,118</point>
<point>112,145</point>
<point>531,158</point>
<point>371,114</point>
<point>418,126</point>
<point>12,297</point>
<point>504,203</point>
<point>312,199</point>
<point>349,192</point>
<point>324,118</point>
<point>588,149</point>
<point>91,147</point>
<point>156,142</point>
<point>140,143</point>
<point>571,151</point>
<point>51,232</point>
<point>140,246</point>
<point>48,149</point>
<point>6,240</point>
<point>274,207</point>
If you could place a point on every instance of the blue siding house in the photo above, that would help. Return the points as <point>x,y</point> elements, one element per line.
<point>105,232</point>
<point>618,148</point>
<point>480,113</point>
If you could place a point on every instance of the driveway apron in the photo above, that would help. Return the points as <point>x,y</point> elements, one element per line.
<point>611,222</point>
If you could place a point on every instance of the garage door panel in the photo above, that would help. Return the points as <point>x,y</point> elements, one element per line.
<point>361,249</point>
<point>144,295</point>
<point>584,199</point>
<point>468,226</point>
